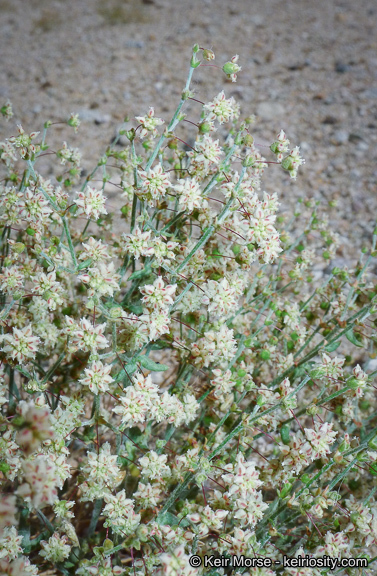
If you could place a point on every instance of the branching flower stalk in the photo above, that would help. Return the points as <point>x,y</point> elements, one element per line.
<point>174,379</point>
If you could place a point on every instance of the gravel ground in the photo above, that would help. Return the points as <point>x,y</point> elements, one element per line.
<point>308,67</point>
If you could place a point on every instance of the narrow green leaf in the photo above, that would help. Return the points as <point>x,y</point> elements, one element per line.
<point>149,364</point>
<point>354,338</point>
<point>332,346</point>
<point>140,274</point>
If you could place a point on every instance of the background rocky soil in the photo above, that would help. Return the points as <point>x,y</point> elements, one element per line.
<point>308,67</point>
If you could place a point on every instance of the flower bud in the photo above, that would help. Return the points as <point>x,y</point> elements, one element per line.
<point>248,140</point>
<point>142,532</point>
<point>231,68</point>
<point>116,312</point>
<point>208,55</point>
<point>265,355</point>
<point>160,444</point>
<point>200,478</point>
<point>18,247</point>
<point>312,410</point>
<point>130,134</point>
<point>204,127</point>
<point>260,400</point>
<point>284,433</point>
<point>248,161</point>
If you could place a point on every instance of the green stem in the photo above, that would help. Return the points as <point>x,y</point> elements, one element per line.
<point>172,125</point>
<point>69,239</point>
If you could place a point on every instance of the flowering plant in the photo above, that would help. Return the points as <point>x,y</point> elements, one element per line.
<point>168,382</point>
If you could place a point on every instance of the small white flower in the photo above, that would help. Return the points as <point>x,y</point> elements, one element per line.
<point>158,296</point>
<point>10,544</point>
<point>97,377</point>
<point>221,109</point>
<point>154,465</point>
<point>119,513</point>
<point>190,195</point>
<point>149,124</point>
<point>21,344</point>
<point>102,280</point>
<point>154,184</point>
<point>56,548</point>
<point>91,202</point>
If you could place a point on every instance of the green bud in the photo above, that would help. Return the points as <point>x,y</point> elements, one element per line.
<point>264,354</point>
<point>305,478</point>
<point>200,478</point>
<point>287,163</point>
<point>142,532</point>
<point>18,247</point>
<point>4,467</point>
<point>130,134</point>
<point>312,410</point>
<point>364,405</point>
<point>353,383</point>
<point>30,231</point>
<point>248,161</point>
<point>248,140</point>
<point>260,400</point>
<point>230,68</point>
<point>284,433</point>
<point>274,147</point>
<point>116,312</point>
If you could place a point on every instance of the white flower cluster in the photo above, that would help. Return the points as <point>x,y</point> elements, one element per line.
<point>141,402</point>
<point>168,382</point>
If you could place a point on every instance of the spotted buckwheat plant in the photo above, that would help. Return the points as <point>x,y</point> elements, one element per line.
<point>177,380</point>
